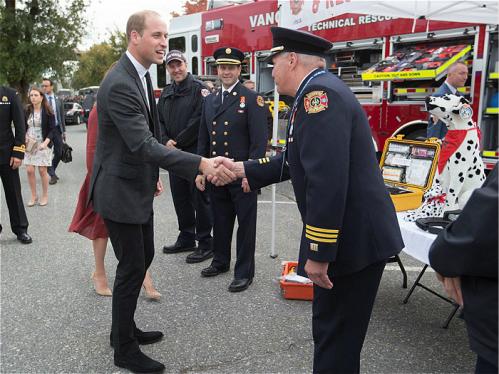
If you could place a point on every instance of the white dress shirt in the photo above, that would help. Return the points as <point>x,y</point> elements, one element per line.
<point>142,71</point>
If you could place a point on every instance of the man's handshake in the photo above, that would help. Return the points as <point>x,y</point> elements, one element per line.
<point>219,171</point>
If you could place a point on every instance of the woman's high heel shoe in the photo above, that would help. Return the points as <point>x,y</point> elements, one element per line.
<point>100,289</point>
<point>33,202</point>
<point>152,293</point>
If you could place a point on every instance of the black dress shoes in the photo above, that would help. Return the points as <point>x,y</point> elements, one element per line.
<point>143,337</point>
<point>239,285</point>
<point>212,271</point>
<point>199,255</point>
<point>179,247</point>
<point>138,363</point>
<point>24,238</point>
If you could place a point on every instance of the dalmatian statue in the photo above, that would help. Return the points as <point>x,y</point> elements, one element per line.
<point>460,165</point>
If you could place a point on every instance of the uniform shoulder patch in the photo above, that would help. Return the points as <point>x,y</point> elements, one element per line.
<point>259,101</point>
<point>315,102</point>
<point>204,92</point>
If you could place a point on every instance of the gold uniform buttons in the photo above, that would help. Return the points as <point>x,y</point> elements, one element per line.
<point>226,144</point>
<point>214,153</point>
<point>226,153</point>
<point>225,133</point>
<point>213,133</point>
<point>214,143</point>
<point>226,123</point>
<point>214,122</point>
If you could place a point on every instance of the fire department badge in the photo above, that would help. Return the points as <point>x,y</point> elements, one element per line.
<point>204,92</point>
<point>315,102</point>
<point>5,99</point>
<point>242,102</point>
<point>465,112</point>
<point>259,101</point>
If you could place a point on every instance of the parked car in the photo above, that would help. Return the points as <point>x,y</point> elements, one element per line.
<point>74,113</point>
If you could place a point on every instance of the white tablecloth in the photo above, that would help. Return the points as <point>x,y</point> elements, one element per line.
<point>417,242</point>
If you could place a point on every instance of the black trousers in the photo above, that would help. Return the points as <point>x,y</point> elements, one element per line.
<point>227,203</point>
<point>340,319</point>
<point>193,212</point>
<point>13,196</point>
<point>133,246</point>
<point>57,152</point>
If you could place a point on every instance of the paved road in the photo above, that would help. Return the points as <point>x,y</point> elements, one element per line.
<point>53,322</point>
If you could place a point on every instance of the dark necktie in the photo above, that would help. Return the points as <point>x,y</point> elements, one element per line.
<point>152,102</point>
<point>225,94</point>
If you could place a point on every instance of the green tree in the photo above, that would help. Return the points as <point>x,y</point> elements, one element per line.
<point>96,61</point>
<point>191,6</point>
<point>37,37</point>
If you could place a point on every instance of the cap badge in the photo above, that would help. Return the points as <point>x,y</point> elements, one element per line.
<point>259,101</point>
<point>228,51</point>
<point>315,102</point>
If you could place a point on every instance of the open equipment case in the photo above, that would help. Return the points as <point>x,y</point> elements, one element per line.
<point>408,168</point>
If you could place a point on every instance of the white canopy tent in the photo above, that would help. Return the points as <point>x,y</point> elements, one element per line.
<point>470,11</point>
<point>297,15</point>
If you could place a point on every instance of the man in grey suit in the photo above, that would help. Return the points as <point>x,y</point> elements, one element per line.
<point>457,76</point>
<point>125,178</point>
<point>60,135</point>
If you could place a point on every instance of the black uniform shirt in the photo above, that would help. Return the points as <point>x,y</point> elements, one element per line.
<point>237,128</point>
<point>179,108</point>
<point>11,111</point>
<point>348,216</point>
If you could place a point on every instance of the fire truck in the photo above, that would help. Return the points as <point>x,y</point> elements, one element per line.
<point>390,63</point>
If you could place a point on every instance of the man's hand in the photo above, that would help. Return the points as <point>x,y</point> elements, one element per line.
<point>218,175</point>
<point>201,182</point>
<point>245,185</point>
<point>171,144</point>
<point>159,188</point>
<point>317,273</point>
<point>453,288</point>
<point>236,167</point>
<point>15,162</point>
<point>42,146</point>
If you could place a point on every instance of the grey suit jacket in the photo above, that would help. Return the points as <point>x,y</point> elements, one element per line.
<point>127,156</point>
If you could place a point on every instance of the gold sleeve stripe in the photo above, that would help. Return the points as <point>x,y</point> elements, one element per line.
<point>331,236</point>
<point>19,149</point>
<point>263,160</point>
<point>321,240</point>
<point>318,229</point>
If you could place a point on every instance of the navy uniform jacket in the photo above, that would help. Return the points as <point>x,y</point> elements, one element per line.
<point>467,248</point>
<point>236,129</point>
<point>439,129</point>
<point>179,108</point>
<point>11,111</point>
<point>348,216</point>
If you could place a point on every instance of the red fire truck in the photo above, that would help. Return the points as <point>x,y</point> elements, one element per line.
<point>364,50</point>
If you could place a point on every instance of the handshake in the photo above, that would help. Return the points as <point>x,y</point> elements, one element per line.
<point>220,171</point>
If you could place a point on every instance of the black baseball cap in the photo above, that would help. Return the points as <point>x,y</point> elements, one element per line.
<point>175,55</point>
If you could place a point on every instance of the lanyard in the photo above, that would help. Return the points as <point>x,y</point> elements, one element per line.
<point>292,115</point>
<point>298,98</point>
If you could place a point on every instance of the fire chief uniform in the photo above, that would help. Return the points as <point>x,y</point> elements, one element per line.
<point>236,129</point>
<point>12,146</point>
<point>348,217</point>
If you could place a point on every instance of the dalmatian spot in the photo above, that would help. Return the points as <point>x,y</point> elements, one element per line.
<point>463,159</point>
<point>451,190</point>
<point>474,160</point>
<point>461,180</point>
<point>470,175</point>
<point>477,171</point>
<point>476,146</point>
<point>460,174</point>
<point>456,161</point>
<point>458,155</point>
<point>470,141</point>
<point>468,148</point>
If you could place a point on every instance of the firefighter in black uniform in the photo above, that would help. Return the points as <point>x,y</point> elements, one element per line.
<point>233,124</point>
<point>350,227</point>
<point>179,110</point>
<point>11,155</point>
